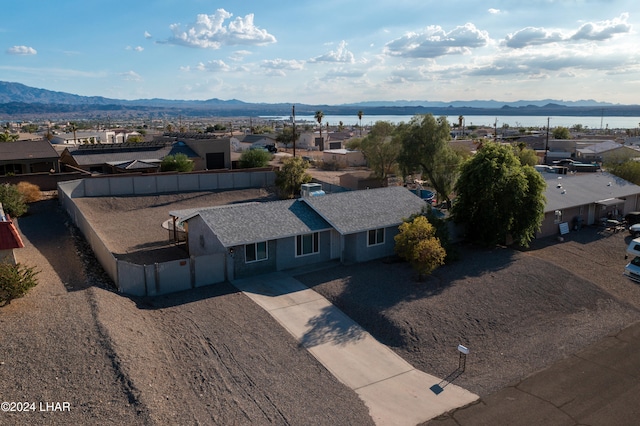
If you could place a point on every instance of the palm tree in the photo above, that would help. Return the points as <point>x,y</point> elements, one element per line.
<point>73,127</point>
<point>360,113</point>
<point>319,116</point>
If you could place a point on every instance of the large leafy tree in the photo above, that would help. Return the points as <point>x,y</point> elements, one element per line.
<point>381,149</point>
<point>291,176</point>
<point>498,197</point>
<point>425,149</point>
<point>287,137</point>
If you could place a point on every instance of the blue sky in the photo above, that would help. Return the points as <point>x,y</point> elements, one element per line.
<point>326,52</point>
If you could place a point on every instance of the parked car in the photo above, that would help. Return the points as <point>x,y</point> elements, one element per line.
<point>632,270</point>
<point>635,230</point>
<point>632,218</point>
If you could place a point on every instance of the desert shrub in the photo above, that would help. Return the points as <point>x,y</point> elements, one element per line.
<point>12,200</point>
<point>253,158</point>
<point>29,191</point>
<point>330,166</point>
<point>15,281</point>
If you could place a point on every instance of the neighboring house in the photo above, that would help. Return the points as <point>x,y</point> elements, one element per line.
<point>9,238</point>
<point>351,227</point>
<point>337,140</point>
<point>126,157</point>
<point>83,137</point>
<point>605,151</point>
<point>206,154</point>
<point>344,157</point>
<point>586,198</point>
<point>259,140</point>
<point>21,157</point>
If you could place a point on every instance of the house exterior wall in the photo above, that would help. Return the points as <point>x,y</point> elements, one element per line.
<point>286,252</point>
<point>201,240</point>
<point>346,159</point>
<point>243,269</point>
<point>356,249</point>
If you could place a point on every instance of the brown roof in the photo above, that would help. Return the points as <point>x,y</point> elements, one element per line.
<point>9,236</point>
<point>27,150</point>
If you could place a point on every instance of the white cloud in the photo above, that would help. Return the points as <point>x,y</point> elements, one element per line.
<point>591,31</point>
<point>494,11</point>
<point>342,73</point>
<point>531,36</point>
<point>137,48</point>
<point>341,54</point>
<point>147,35</point>
<point>21,50</point>
<point>239,55</point>
<point>214,66</point>
<point>210,32</point>
<point>434,42</point>
<point>131,76</point>
<point>277,67</point>
<point>603,30</point>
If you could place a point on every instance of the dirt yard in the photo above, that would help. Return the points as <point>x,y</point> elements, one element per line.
<point>213,357</point>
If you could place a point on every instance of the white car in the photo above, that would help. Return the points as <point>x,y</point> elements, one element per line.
<point>632,270</point>
<point>635,230</point>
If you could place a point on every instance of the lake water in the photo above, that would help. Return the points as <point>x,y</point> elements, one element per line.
<point>485,120</point>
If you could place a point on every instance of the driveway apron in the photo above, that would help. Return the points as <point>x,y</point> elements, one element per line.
<point>394,391</point>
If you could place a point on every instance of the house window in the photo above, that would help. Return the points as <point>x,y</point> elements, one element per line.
<point>255,252</point>
<point>558,217</point>
<point>307,244</point>
<point>376,237</point>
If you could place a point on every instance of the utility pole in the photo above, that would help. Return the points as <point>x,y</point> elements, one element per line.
<point>546,146</point>
<point>293,118</point>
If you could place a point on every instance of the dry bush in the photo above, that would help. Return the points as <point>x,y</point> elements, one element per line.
<point>29,191</point>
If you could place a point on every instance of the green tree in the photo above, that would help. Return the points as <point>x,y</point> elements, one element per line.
<point>13,201</point>
<point>8,137</point>
<point>254,158</point>
<point>73,127</point>
<point>526,155</point>
<point>176,163</point>
<point>135,138</point>
<point>425,149</point>
<point>628,170</point>
<point>291,176</point>
<point>417,243</point>
<point>319,115</point>
<point>498,197</point>
<point>381,150</point>
<point>286,137</point>
<point>360,114</point>
<point>15,281</point>
<point>561,133</point>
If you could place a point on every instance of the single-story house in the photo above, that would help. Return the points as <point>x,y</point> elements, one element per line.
<point>344,157</point>
<point>123,157</point>
<point>353,226</point>
<point>21,157</point>
<point>585,199</point>
<point>605,151</point>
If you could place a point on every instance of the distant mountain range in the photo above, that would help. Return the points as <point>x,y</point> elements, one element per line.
<point>18,101</point>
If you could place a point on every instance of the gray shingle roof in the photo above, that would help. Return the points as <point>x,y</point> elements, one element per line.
<point>245,223</point>
<point>584,188</point>
<point>27,150</point>
<point>356,211</point>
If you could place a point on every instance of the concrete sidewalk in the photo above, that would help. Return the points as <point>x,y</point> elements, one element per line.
<point>394,391</point>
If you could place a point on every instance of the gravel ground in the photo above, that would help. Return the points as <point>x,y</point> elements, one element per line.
<point>204,357</point>
<point>517,311</point>
<point>212,356</point>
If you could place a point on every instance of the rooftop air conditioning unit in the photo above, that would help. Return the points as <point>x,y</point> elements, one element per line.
<point>311,190</point>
